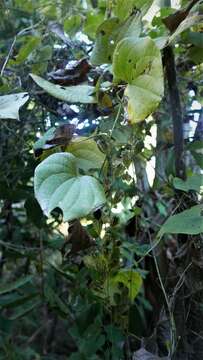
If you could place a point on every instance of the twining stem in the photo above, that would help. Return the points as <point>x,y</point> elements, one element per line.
<point>176,111</point>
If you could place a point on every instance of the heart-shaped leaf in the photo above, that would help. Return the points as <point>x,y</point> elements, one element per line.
<point>71,94</point>
<point>57,183</point>
<point>10,105</point>
<point>138,62</point>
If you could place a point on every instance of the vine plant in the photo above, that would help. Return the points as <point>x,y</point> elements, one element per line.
<point>81,180</point>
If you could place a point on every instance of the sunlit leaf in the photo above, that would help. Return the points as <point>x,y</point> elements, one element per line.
<point>57,183</point>
<point>48,135</point>
<point>87,153</point>
<point>71,94</point>
<point>187,222</point>
<point>138,62</point>
<point>123,9</point>
<point>129,278</point>
<point>10,105</point>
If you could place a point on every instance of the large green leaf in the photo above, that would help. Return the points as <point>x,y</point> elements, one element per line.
<point>138,62</point>
<point>71,94</point>
<point>187,222</point>
<point>109,33</point>
<point>57,183</point>
<point>87,152</point>
<point>10,105</point>
<point>194,182</point>
<point>122,9</point>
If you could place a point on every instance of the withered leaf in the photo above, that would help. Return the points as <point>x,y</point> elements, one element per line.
<point>78,237</point>
<point>62,135</point>
<point>74,73</point>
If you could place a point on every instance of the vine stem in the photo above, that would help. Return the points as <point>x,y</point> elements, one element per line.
<point>171,317</point>
<point>8,56</point>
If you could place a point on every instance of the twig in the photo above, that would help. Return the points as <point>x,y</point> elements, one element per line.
<point>22,32</point>
<point>37,332</point>
<point>8,56</point>
<point>179,284</point>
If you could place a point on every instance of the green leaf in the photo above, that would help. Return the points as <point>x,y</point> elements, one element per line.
<point>189,22</point>
<point>31,44</point>
<point>196,54</point>
<point>87,152</point>
<point>4,288</point>
<point>129,278</point>
<point>92,22</point>
<point>123,9</point>
<point>187,222</point>
<point>10,105</point>
<point>194,182</point>
<point>72,24</point>
<point>195,145</point>
<point>196,38</point>
<point>71,94</point>
<point>138,62</point>
<point>109,33</point>
<point>57,183</point>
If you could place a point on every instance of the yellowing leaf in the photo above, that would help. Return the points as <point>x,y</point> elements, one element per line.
<point>138,62</point>
<point>129,278</point>
<point>87,152</point>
